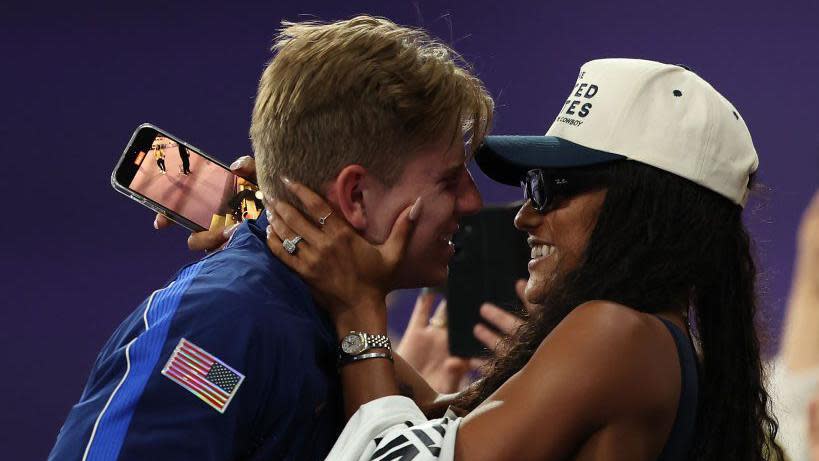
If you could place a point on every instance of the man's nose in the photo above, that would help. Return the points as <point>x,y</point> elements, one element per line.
<point>469,200</point>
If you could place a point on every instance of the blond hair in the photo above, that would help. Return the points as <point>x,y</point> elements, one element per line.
<point>362,91</point>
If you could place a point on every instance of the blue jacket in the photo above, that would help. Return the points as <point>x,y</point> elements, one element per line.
<point>231,360</point>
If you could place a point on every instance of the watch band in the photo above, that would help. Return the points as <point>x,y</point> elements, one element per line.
<point>355,345</point>
<point>370,355</point>
<point>377,341</point>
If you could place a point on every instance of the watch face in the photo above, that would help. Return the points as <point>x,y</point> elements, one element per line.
<point>352,344</point>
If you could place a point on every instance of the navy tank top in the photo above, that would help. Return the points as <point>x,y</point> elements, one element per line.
<point>682,433</point>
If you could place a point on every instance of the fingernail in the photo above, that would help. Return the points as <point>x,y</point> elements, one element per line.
<point>156,223</point>
<point>425,291</point>
<point>228,231</point>
<point>238,163</point>
<point>269,215</point>
<point>416,210</point>
<point>286,181</point>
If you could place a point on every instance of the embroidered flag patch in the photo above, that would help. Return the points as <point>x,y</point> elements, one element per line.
<point>205,376</point>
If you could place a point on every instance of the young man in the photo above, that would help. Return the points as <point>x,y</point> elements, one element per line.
<point>232,359</point>
<point>186,159</point>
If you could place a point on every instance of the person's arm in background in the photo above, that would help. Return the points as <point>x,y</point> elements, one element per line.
<point>800,342</point>
<point>795,377</point>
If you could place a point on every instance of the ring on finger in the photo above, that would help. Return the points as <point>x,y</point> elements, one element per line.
<point>291,245</point>
<point>323,219</point>
<point>437,322</point>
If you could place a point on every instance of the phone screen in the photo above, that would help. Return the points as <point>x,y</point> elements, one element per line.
<point>184,182</point>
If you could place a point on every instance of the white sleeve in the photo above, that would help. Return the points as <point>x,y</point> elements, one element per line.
<point>395,428</point>
<point>791,393</point>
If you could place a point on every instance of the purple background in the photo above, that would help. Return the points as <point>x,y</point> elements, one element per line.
<point>77,257</point>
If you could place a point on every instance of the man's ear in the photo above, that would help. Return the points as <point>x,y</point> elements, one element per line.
<point>347,192</point>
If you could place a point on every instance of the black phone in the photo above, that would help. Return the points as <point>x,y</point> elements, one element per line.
<point>490,256</point>
<point>174,178</point>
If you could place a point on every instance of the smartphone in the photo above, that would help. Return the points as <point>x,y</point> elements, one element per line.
<point>174,178</point>
<point>490,256</point>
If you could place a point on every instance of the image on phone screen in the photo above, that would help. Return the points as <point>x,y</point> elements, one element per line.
<point>186,183</point>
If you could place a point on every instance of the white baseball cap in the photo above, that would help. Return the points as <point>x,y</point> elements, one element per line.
<point>659,114</point>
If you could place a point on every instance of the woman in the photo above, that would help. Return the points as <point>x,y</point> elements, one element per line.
<point>160,159</point>
<point>633,211</point>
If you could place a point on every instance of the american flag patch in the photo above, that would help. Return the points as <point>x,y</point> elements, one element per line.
<point>207,377</point>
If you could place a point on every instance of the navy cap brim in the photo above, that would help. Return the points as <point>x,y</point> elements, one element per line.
<point>506,159</point>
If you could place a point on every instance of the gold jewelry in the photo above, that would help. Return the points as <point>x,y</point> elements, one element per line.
<point>437,322</point>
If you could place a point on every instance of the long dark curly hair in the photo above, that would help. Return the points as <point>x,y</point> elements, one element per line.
<point>661,240</point>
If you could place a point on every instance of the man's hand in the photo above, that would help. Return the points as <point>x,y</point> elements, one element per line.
<point>425,346</point>
<point>215,237</point>
<point>506,322</point>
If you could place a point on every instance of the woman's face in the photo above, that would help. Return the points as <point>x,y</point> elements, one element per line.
<point>557,238</point>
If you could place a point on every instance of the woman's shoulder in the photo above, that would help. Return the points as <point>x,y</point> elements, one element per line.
<point>626,354</point>
<point>613,325</point>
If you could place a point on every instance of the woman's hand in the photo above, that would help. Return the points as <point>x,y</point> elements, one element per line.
<point>215,237</point>
<point>346,272</point>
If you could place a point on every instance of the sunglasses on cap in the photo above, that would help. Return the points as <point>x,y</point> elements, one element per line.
<point>545,188</point>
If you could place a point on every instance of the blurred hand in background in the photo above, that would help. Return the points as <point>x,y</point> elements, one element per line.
<point>425,346</point>
<point>506,322</point>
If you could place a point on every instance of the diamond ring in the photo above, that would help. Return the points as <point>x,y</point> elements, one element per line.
<point>290,245</point>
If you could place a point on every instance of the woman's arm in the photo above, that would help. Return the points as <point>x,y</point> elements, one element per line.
<point>369,379</point>
<point>605,365</point>
<point>411,384</point>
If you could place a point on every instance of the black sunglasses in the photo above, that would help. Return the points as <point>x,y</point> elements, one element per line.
<point>544,188</point>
